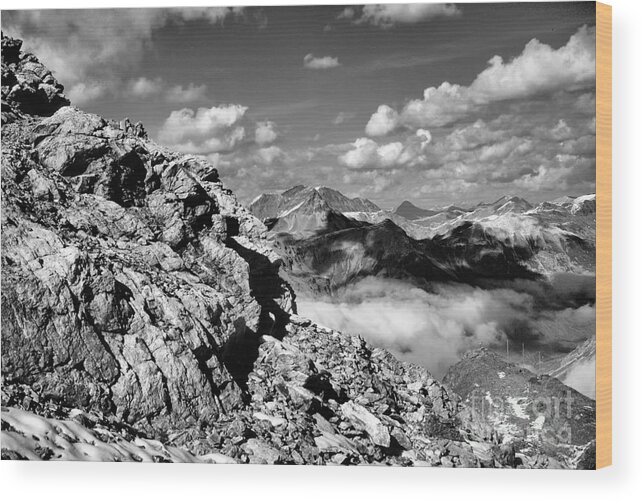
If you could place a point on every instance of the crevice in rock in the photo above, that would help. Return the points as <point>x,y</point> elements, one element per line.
<point>240,353</point>
<point>266,287</point>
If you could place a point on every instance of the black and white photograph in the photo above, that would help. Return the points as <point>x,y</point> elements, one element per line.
<point>301,235</point>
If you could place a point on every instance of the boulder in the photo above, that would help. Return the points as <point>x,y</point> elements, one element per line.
<point>363,420</point>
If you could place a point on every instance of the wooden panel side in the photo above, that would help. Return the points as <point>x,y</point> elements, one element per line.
<point>603,235</point>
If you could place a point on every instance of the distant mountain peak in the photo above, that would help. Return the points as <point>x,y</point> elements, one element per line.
<point>274,205</point>
<point>411,211</point>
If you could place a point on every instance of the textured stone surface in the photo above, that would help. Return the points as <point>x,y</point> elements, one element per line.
<point>28,87</point>
<point>128,280</point>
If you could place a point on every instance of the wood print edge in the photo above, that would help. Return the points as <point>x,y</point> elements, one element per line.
<point>603,235</point>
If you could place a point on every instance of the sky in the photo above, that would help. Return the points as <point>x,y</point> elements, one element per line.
<point>432,103</point>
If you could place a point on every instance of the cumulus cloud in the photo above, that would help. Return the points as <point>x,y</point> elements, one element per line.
<point>539,69</point>
<point>383,121</point>
<point>98,44</point>
<point>86,92</point>
<point>368,154</point>
<point>265,133</point>
<point>342,116</point>
<point>545,177</point>
<point>143,87</point>
<point>347,13</point>
<point>269,155</point>
<point>529,153</point>
<point>188,94</point>
<point>320,63</point>
<point>435,328</point>
<point>206,130</point>
<point>388,15</point>
<point>146,88</point>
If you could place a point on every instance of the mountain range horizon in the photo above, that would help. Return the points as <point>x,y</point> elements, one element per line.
<point>418,205</point>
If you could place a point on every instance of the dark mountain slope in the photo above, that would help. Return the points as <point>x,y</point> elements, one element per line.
<point>411,212</point>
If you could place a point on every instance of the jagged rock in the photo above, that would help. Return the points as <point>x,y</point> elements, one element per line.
<point>260,452</point>
<point>587,459</point>
<point>363,420</point>
<point>402,440</point>
<point>27,86</point>
<point>116,275</point>
<point>508,405</point>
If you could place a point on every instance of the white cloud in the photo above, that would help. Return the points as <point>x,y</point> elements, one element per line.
<point>342,116</point>
<point>435,328</point>
<point>86,92</point>
<point>439,106</point>
<point>368,154</point>
<point>545,178</point>
<point>206,130</point>
<point>265,133</point>
<point>143,87</point>
<point>269,155</point>
<point>383,121</point>
<point>539,69</point>
<point>347,13</point>
<point>320,63</point>
<point>98,44</point>
<point>146,88</point>
<point>389,15</point>
<point>214,15</point>
<point>189,94</point>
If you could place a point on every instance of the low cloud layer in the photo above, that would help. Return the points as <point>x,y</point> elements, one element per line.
<point>435,329</point>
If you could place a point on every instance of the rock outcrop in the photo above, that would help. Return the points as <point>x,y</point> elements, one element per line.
<point>550,424</point>
<point>28,87</point>
<point>127,278</point>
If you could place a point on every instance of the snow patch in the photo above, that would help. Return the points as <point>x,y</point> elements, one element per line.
<point>35,437</point>
<point>517,407</point>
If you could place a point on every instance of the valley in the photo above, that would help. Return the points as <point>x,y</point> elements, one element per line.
<point>432,284</point>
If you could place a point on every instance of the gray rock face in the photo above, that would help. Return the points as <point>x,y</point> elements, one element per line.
<point>28,87</point>
<point>127,279</point>
<point>509,405</point>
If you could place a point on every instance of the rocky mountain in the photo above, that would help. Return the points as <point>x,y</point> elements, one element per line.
<point>502,246</point>
<point>144,317</point>
<point>504,401</point>
<point>411,212</point>
<point>304,211</point>
<point>327,262</point>
<point>508,237</point>
<point>272,206</point>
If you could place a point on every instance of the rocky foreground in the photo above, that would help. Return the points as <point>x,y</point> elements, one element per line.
<point>143,319</point>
